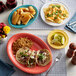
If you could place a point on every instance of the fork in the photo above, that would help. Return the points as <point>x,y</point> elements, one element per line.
<point>55,61</point>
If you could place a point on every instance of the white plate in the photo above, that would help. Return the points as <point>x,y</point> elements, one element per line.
<point>51,23</point>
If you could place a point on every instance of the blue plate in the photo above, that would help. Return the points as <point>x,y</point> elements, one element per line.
<point>21,25</point>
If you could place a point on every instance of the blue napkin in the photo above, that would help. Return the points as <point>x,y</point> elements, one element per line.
<point>70,27</point>
<point>6,69</point>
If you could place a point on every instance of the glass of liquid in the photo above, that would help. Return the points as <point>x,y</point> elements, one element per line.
<point>2,7</point>
<point>11,4</point>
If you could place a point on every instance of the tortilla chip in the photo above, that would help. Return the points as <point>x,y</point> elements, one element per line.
<point>32,10</point>
<point>25,18</point>
<point>19,11</point>
<point>15,18</point>
<point>25,9</point>
<point>19,21</point>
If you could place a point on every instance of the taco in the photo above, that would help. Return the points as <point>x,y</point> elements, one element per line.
<point>23,55</point>
<point>32,59</point>
<point>43,57</point>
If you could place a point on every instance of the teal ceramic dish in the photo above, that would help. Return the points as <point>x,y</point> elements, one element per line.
<point>21,25</point>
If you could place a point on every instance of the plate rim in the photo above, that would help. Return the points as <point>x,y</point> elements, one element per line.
<point>11,59</point>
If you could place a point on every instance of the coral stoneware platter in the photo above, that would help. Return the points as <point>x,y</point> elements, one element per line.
<point>22,25</point>
<point>37,45</point>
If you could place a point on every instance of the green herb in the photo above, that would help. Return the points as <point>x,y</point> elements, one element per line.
<point>56,11</point>
<point>58,6</point>
<point>41,56</point>
<point>25,51</point>
<point>49,15</point>
<point>53,6</point>
<point>64,15</point>
<point>59,15</point>
<point>25,55</point>
<point>21,53</point>
<point>53,13</point>
<point>55,17</point>
<point>60,11</point>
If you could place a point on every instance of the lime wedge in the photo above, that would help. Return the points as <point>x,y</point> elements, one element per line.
<point>58,39</point>
<point>62,40</point>
<point>55,36</point>
<point>56,42</point>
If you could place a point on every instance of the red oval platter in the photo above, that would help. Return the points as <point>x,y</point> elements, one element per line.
<point>38,44</point>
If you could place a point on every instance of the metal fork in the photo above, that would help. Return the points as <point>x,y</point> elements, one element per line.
<point>55,61</point>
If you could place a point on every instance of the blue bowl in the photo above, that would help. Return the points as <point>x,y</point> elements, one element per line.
<point>21,25</point>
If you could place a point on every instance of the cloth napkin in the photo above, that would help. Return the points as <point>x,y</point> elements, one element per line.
<point>70,27</point>
<point>6,69</point>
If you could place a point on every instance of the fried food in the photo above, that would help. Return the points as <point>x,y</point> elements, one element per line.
<point>25,9</point>
<point>19,21</point>
<point>23,15</point>
<point>20,11</point>
<point>32,10</point>
<point>15,18</point>
<point>55,13</point>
